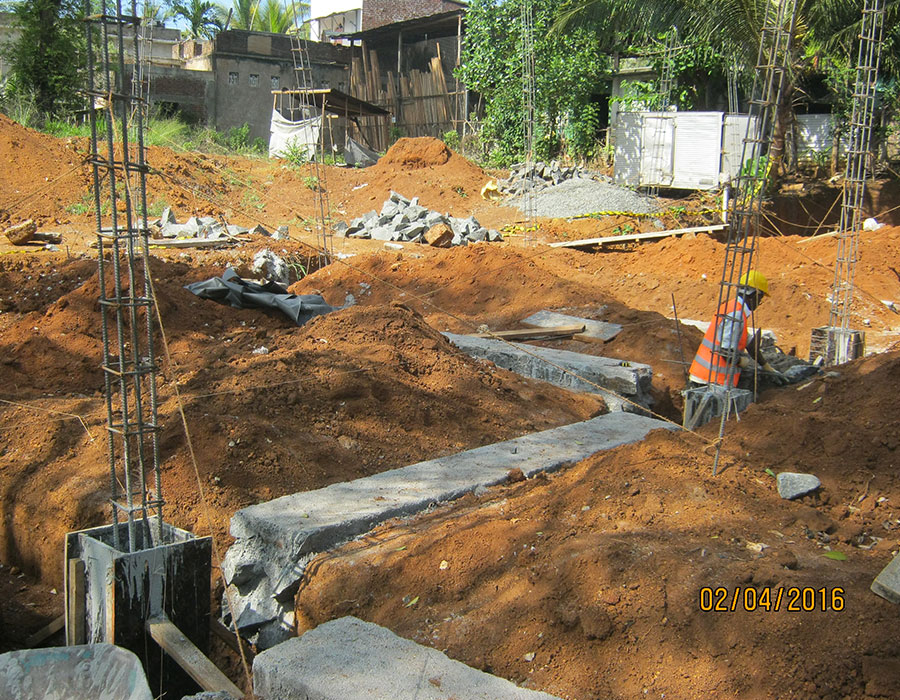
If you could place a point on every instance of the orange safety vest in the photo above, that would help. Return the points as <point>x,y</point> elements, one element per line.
<point>711,364</point>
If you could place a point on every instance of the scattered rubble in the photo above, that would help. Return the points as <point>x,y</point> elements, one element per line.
<point>403,219</point>
<point>543,176</point>
<point>203,227</point>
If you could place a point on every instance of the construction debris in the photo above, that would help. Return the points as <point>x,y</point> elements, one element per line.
<point>541,176</point>
<point>403,219</point>
<point>243,294</point>
<point>203,228</point>
<point>792,485</point>
<point>594,331</point>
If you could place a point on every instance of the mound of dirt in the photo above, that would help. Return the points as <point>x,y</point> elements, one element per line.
<point>272,408</point>
<point>597,582</point>
<point>412,153</point>
<point>44,175</point>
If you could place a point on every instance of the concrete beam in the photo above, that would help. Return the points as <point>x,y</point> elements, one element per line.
<point>593,330</point>
<point>568,370</point>
<point>276,539</point>
<point>348,659</point>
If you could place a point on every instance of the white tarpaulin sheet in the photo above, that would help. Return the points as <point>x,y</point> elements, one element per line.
<point>285,135</point>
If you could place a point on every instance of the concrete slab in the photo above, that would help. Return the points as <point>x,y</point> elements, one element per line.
<point>348,659</point>
<point>593,330</point>
<point>887,583</point>
<point>569,370</point>
<point>276,539</point>
<point>85,672</point>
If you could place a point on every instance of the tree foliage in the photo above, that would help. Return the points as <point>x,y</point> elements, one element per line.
<point>568,71</point>
<point>204,19</point>
<point>46,60</point>
<point>276,16</point>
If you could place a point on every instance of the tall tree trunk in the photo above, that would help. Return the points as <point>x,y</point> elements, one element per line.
<point>783,119</point>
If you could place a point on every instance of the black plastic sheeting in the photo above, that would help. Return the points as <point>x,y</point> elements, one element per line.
<point>358,155</point>
<point>237,292</point>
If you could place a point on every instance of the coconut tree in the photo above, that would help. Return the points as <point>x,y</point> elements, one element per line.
<point>204,18</point>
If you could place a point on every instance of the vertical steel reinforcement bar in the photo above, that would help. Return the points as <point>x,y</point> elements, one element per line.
<point>868,59</point>
<point>773,62</point>
<point>126,301</point>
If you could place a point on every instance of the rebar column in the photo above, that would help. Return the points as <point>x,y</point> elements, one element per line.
<point>855,175</point>
<point>305,84</point>
<point>528,95</point>
<point>126,302</point>
<point>773,62</point>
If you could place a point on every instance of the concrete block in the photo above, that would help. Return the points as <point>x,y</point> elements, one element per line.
<point>433,218</point>
<point>792,485</point>
<point>279,537</point>
<point>593,330</point>
<point>478,235</point>
<point>85,672</point>
<point>348,659</point>
<point>389,209</point>
<point>414,230</point>
<point>168,217</point>
<point>398,198</point>
<point>383,233</point>
<point>416,212</point>
<point>494,236</point>
<point>628,379</point>
<point>887,583</point>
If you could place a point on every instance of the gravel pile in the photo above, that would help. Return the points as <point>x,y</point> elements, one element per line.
<point>403,219</point>
<point>580,196</point>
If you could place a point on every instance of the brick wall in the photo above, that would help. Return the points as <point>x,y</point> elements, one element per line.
<point>380,12</point>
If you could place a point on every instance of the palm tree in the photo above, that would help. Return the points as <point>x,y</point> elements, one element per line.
<point>204,18</point>
<point>274,16</point>
<point>244,13</point>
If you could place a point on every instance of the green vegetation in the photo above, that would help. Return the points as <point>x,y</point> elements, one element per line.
<point>569,69</point>
<point>46,61</point>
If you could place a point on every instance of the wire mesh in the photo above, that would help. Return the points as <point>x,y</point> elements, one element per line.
<point>856,171</point>
<point>126,301</point>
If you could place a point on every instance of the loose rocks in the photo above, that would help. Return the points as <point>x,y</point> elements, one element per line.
<point>792,485</point>
<point>403,219</point>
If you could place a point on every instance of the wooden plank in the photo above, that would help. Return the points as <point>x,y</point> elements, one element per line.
<point>637,236</point>
<point>229,637</point>
<point>190,658</point>
<point>46,631</point>
<point>75,603</point>
<point>534,333</point>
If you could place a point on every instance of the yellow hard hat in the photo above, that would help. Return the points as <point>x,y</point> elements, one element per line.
<point>755,279</point>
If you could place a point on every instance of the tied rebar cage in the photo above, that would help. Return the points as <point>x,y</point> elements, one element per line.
<point>305,84</point>
<point>856,172</point>
<point>126,300</point>
<point>528,94</point>
<point>661,160</point>
<point>773,63</point>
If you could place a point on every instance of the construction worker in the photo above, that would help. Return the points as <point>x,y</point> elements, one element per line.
<point>724,350</point>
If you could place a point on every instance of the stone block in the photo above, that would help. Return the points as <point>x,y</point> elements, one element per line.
<point>887,583</point>
<point>792,485</point>
<point>348,659</point>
